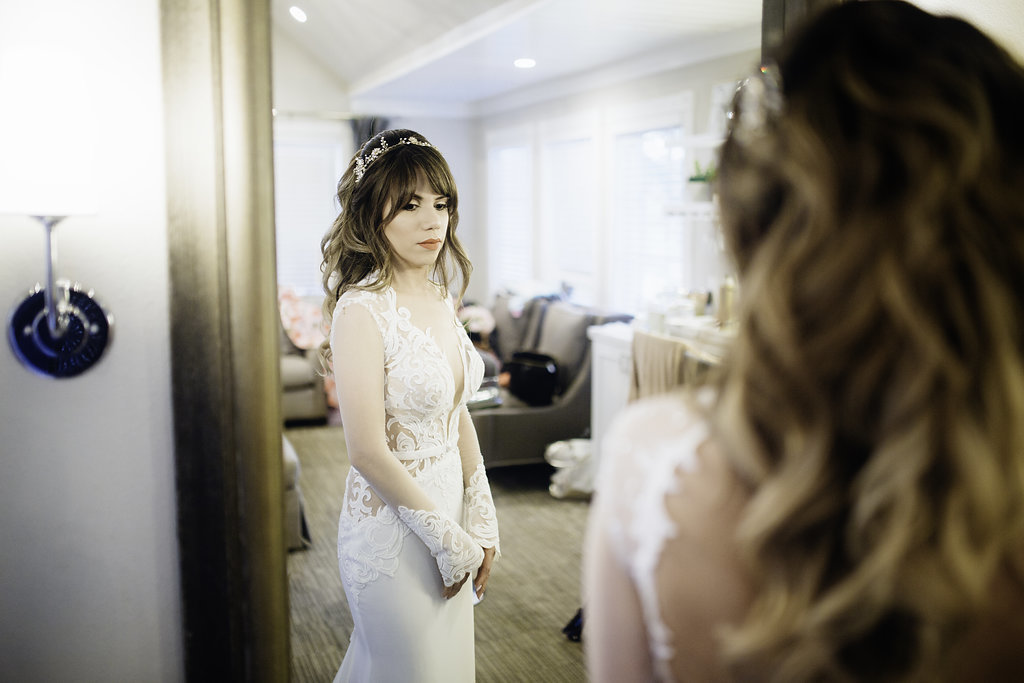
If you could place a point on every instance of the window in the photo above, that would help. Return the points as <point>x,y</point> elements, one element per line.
<point>510,217</point>
<point>309,158</point>
<point>570,215</point>
<point>598,200</point>
<point>305,177</point>
<point>648,251</point>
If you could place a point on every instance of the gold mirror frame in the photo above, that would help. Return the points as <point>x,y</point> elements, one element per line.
<point>224,340</point>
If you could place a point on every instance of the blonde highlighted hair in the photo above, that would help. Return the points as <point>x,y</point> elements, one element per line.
<point>874,401</point>
<point>355,250</point>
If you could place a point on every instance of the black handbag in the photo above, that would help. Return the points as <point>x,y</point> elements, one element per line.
<point>533,377</point>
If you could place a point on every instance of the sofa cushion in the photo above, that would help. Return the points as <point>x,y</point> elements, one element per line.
<point>296,371</point>
<point>563,336</point>
<point>516,328</point>
<point>508,327</point>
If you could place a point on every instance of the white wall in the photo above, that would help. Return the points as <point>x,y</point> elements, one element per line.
<point>89,581</point>
<point>301,84</point>
<point>1003,20</point>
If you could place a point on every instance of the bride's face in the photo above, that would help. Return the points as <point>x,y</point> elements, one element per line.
<point>417,232</point>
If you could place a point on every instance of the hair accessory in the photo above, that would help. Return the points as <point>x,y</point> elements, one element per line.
<point>759,99</point>
<point>363,161</point>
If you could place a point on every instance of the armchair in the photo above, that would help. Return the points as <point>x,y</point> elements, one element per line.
<point>302,387</point>
<point>303,398</point>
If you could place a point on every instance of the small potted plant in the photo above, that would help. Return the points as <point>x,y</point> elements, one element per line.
<point>699,184</point>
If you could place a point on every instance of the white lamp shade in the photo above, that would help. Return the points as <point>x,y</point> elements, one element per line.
<point>48,133</point>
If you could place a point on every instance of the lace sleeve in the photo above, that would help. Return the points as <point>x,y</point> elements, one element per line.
<point>481,518</point>
<point>617,626</point>
<point>455,552</point>
<point>648,447</point>
<point>624,457</point>
<point>638,464</point>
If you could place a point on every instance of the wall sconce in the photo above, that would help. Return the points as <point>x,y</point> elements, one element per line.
<point>48,170</point>
<point>59,329</point>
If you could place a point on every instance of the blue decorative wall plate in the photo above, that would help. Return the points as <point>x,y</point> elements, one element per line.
<point>87,333</point>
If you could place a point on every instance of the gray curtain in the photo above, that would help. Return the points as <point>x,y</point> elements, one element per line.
<point>366,127</point>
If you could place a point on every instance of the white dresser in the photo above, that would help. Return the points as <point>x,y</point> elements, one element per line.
<point>611,364</point>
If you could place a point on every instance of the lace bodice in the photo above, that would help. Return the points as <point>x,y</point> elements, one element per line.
<point>419,389</point>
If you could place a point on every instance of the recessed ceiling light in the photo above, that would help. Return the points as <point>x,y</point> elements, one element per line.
<point>525,63</point>
<point>297,14</point>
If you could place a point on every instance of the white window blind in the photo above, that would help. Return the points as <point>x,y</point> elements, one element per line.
<point>510,215</point>
<point>305,178</point>
<point>647,246</point>
<point>569,215</point>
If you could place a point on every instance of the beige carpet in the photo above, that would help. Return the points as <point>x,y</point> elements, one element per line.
<point>532,594</point>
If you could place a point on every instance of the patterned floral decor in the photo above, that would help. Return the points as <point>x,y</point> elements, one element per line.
<point>477,319</point>
<point>303,323</point>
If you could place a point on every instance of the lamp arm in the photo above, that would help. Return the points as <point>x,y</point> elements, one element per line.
<point>76,329</point>
<point>56,317</point>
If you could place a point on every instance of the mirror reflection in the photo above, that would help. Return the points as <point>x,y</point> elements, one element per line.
<point>583,203</point>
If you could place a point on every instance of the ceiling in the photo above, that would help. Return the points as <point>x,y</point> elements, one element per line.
<point>456,55</point>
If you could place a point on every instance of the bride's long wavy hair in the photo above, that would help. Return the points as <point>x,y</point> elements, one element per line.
<point>874,400</point>
<point>355,248</point>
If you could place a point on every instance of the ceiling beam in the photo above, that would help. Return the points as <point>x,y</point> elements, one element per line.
<point>459,37</point>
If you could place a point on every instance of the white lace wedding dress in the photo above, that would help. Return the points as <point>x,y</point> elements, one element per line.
<point>660,563</point>
<point>393,562</point>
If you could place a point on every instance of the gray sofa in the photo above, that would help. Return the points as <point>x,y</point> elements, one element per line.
<point>302,387</point>
<point>514,433</point>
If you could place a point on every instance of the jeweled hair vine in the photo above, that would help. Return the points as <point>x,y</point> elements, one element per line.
<point>366,158</point>
<point>758,100</point>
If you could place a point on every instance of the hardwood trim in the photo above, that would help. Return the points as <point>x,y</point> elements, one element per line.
<point>224,340</point>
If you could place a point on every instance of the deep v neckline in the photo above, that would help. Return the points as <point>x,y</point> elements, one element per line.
<point>404,313</point>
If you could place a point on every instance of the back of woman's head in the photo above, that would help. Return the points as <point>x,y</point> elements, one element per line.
<point>874,401</point>
<point>887,109</point>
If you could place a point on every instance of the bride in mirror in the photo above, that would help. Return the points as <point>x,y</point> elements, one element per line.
<point>418,522</point>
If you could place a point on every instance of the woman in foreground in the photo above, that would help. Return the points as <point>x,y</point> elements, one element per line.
<point>418,520</point>
<point>847,502</point>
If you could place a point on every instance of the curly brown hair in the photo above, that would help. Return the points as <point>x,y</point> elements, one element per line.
<point>874,400</point>
<point>355,250</point>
